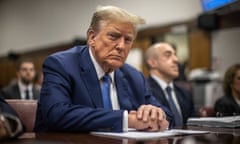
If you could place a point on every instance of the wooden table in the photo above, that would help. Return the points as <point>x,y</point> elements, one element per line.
<point>216,136</point>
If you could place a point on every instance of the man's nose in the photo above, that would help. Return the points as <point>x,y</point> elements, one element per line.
<point>175,58</point>
<point>121,44</point>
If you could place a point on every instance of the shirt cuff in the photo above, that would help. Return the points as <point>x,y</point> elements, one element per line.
<point>125,121</point>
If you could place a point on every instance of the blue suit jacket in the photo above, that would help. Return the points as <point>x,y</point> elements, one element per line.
<point>71,99</point>
<point>183,96</point>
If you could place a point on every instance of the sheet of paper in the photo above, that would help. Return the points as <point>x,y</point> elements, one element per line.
<point>229,121</point>
<point>140,135</point>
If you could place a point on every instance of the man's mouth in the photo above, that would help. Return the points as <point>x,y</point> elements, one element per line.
<point>116,57</point>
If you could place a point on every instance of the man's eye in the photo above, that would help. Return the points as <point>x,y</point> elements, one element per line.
<point>113,36</point>
<point>167,54</point>
<point>128,40</point>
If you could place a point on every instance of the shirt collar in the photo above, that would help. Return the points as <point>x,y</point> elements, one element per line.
<point>99,70</point>
<point>162,83</point>
<point>23,86</point>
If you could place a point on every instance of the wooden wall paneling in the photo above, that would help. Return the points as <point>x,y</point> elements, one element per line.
<point>200,49</point>
<point>143,43</point>
<point>8,66</point>
<point>8,71</point>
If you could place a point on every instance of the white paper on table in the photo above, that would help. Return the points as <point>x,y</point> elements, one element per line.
<point>141,135</point>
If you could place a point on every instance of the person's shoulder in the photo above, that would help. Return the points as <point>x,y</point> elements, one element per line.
<point>67,54</point>
<point>126,68</point>
<point>224,99</point>
<point>70,51</point>
<point>9,87</point>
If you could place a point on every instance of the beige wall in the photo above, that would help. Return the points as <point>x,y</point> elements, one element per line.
<point>29,24</point>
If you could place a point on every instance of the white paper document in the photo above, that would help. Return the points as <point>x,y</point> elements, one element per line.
<point>228,121</point>
<point>141,135</point>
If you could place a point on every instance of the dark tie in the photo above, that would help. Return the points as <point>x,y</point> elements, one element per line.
<point>176,115</point>
<point>106,81</point>
<point>27,94</point>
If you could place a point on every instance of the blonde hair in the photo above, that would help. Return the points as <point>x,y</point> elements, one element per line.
<point>104,13</point>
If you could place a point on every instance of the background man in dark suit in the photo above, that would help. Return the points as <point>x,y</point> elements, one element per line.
<point>162,62</point>
<point>73,98</point>
<point>24,87</point>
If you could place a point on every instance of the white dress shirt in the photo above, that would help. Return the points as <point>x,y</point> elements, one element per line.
<point>164,85</point>
<point>23,89</point>
<point>113,90</point>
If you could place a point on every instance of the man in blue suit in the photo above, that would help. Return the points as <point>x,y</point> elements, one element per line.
<point>71,97</point>
<point>162,62</point>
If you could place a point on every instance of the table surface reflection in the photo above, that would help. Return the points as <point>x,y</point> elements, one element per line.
<point>216,136</point>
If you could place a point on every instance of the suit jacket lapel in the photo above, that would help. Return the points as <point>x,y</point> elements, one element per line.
<point>161,95</point>
<point>180,100</point>
<point>16,91</point>
<point>122,90</point>
<point>36,93</point>
<point>89,77</point>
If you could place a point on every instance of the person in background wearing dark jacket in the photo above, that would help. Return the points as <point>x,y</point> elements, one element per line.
<point>24,88</point>
<point>162,62</point>
<point>229,104</point>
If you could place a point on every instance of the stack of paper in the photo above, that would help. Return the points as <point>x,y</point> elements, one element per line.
<point>141,135</point>
<point>228,122</point>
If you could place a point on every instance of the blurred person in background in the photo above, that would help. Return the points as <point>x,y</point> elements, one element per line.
<point>181,67</point>
<point>229,104</point>
<point>24,87</point>
<point>162,63</point>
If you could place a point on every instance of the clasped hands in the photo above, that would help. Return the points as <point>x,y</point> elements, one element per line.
<point>148,118</point>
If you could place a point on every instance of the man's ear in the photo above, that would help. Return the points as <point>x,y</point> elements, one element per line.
<point>152,63</point>
<point>91,36</point>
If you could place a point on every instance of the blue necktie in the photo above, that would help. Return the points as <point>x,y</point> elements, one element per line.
<point>27,94</point>
<point>106,82</point>
<point>176,115</point>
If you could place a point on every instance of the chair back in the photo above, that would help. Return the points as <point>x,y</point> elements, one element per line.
<point>26,110</point>
<point>206,112</point>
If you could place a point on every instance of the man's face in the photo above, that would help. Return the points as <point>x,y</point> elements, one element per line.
<point>111,44</point>
<point>167,62</point>
<point>26,72</point>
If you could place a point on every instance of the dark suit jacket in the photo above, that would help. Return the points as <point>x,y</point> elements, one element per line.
<point>5,107</point>
<point>13,92</point>
<point>71,99</point>
<point>10,114</point>
<point>227,106</point>
<point>183,96</point>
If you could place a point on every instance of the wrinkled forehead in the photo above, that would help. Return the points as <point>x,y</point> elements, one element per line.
<point>27,65</point>
<point>123,26</point>
<point>166,47</point>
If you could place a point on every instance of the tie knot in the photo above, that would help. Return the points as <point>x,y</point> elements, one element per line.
<point>106,78</point>
<point>26,90</point>
<point>168,89</point>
